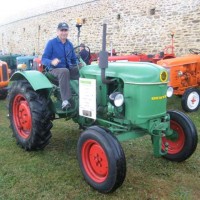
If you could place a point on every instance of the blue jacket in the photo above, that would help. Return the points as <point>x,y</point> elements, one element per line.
<point>64,52</point>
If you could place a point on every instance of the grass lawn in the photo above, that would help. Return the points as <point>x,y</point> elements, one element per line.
<point>54,172</point>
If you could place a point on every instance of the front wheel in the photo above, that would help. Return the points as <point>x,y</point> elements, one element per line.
<point>191,100</point>
<point>182,143</point>
<point>101,159</point>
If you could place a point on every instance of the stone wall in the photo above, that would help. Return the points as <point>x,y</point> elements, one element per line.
<point>133,25</point>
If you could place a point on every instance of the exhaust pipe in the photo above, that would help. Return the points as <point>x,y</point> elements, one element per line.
<point>103,57</point>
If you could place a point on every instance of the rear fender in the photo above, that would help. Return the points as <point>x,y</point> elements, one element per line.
<point>37,79</point>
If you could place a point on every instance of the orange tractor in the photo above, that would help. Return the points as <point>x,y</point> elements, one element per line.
<point>4,79</point>
<point>184,77</point>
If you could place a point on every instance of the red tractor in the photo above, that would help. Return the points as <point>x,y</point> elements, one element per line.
<point>167,53</point>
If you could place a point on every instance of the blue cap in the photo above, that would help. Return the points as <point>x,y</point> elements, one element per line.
<point>63,25</point>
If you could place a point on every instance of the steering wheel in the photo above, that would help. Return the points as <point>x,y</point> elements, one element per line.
<point>78,56</point>
<point>194,51</point>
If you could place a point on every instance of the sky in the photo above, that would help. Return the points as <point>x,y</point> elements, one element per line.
<point>12,8</point>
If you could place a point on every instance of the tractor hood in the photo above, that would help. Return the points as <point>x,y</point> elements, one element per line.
<point>129,72</point>
<point>185,60</point>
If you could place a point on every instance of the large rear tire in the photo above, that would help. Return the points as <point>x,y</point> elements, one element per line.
<point>29,116</point>
<point>3,94</point>
<point>101,159</point>
<point>183,142</point>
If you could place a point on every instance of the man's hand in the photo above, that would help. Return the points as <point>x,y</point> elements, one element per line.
<point>55,62</point>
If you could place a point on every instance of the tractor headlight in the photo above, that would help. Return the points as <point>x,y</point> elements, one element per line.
<point>180,73</point>
<point>21,67</point>
<point>116,99</point>
<point>170,91</point>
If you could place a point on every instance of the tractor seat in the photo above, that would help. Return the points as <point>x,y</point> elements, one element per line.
<point>52,78</point>
<point>150,55</point>
<point>74,75</point>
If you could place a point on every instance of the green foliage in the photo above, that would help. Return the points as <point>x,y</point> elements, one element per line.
<point>54,172</point>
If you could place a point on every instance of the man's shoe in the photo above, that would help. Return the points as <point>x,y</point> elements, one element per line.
<point>65,105</point>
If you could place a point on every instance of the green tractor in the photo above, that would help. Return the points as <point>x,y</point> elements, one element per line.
<point>112,102</point>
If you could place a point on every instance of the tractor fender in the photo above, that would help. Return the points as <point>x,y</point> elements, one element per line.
<point>37,79</point>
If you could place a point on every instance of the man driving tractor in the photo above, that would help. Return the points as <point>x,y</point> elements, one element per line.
<point>59,58</point>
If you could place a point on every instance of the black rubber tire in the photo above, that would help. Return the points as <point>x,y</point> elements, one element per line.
<point>3,94</point>
<point>114,154</point>
<point>184,100</point>
<point>40,133</point>
<point>190,134</point>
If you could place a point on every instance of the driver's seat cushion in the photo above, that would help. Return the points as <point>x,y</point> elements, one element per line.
<point>74,75</point>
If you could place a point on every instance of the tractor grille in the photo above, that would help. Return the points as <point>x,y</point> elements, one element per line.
<point>4,73</point>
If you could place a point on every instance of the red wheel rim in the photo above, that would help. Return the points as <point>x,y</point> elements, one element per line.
<point>22,116</point>
<point>95,161</point>
<point>176,141</point>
